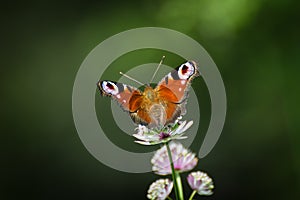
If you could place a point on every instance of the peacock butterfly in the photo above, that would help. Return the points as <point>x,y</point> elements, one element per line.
<point>154,107</point>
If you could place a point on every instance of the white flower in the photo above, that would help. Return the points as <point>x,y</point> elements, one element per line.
<point>147,136</point>
<point>200,182</point>
<point>160,189</point>
<point>183,159</point>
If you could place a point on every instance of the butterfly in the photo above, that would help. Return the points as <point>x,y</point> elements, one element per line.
<point>154,107</point>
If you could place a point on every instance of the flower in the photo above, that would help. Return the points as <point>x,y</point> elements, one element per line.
<point>160,189</point>
<point>200,182</point>
<point>183,159</point>
<point>148,136</point>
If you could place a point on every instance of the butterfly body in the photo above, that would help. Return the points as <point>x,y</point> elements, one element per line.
<point>154,107</point>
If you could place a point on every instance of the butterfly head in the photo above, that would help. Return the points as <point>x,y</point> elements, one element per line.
<point>149,93</point>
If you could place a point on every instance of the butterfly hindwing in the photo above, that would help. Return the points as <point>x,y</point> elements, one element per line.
<point>138,113</point>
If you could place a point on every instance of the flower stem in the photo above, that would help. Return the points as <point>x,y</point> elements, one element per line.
<point>179,185</point>
<point>175,177</point>
<point>169,198</point>
<point>192,195</point>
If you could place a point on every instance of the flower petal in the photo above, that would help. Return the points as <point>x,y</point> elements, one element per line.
<point>187,126</point>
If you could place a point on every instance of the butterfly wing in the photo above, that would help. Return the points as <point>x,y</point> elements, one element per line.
<point>120,92</point>
<point>173,89</point>
<point>129,98</point>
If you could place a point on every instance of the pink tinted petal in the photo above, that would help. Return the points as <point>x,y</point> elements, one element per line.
<point>190,180</point>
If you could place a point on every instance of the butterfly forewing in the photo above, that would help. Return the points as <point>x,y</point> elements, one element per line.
<point>174,88</point>
<point>120,92</point>
<point>179,80</point>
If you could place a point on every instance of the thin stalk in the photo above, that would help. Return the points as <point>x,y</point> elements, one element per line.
<point>173,171</point>
<point>175,177</point>
<point>192,195</point>
<point>179,185</point>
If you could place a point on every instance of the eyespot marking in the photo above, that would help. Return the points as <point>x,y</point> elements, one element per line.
<point>186,70</point>
<point>110,87</point>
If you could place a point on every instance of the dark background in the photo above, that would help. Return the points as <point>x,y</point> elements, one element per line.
<point>255,44</point>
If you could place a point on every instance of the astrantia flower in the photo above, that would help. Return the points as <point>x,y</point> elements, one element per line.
<point>160,189</point>
<point>200,182</point>
<point>183,159</point>
<point>147,136</point>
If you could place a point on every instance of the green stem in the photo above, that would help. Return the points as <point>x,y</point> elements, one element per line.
<point>169,198</point>
<point>175,177</point>
<point>192,195</point>
<point>179,185</point>
<point>173,170</point>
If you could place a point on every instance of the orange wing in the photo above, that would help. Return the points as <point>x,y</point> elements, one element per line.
<point>120,92</point>
<point>137,112</point>
<point>173,89</point>
<point>169,100</point>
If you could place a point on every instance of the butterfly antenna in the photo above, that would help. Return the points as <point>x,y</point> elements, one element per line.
<point>162,59</point>
<point>131,78</point>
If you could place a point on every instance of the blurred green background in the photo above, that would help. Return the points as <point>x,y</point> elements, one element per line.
<point>255,44</point>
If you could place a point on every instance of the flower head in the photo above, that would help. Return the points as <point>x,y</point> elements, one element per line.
<point>200,182</point>
<point>183,159</point>
<point>160,189</point>
<point>148,136</point>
